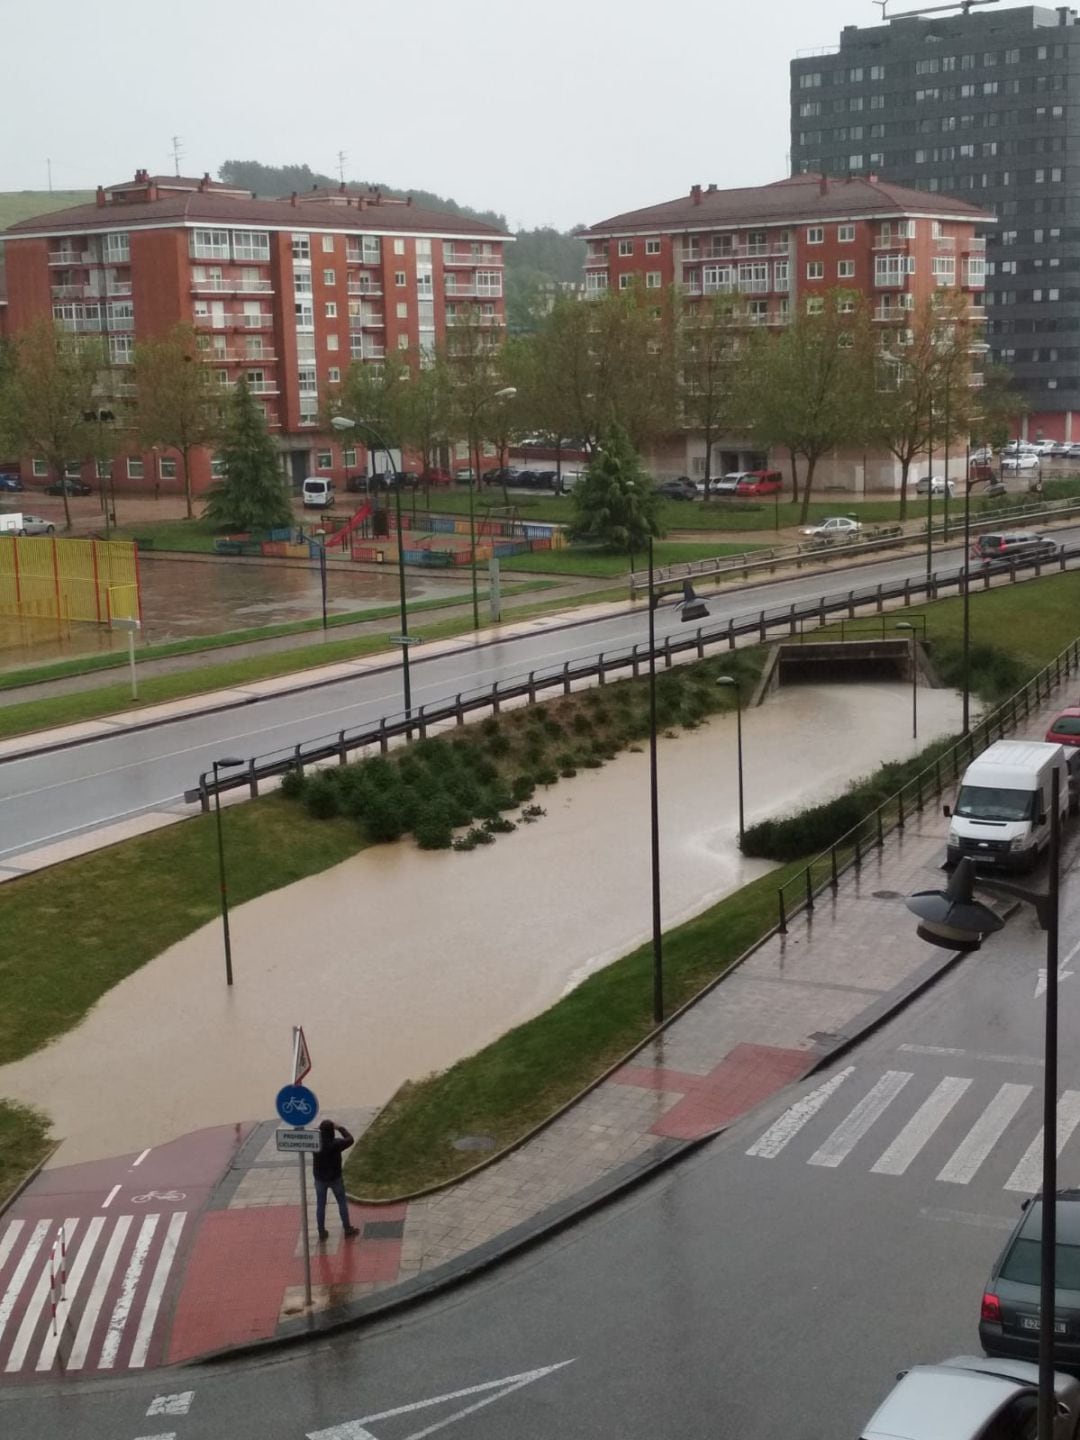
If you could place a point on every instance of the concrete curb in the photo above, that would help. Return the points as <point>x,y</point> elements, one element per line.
<point>6,1201</point>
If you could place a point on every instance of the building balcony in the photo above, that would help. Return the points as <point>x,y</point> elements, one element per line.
<point>463,257</point>
<point>231,285</point>
<point>691,289</point>
<point>896,243</point>
<point>976,246</point>
<point>476,320</point>
<point>890,282</point>
<point>599,258</point>
<point>70,257</point>
<point>81,327</point>
<point>357,288</point>
<point>362,257</point>
<point>118,287</point>
<point>261,321</point>
<point>944,242</point>
<point>719,287</point>
<point>67,292</point>
<point>892,314</point>
<point>264,387</point>
<point>459,292</point>
<point>368,352</point>
<point>368,320</point>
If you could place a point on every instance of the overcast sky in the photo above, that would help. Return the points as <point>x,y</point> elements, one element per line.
<point>551,111</point>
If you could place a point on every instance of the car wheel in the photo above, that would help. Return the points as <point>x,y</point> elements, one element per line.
<point>50,529</point>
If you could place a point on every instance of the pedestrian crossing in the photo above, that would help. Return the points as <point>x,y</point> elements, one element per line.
<point>894,1122</point>
<point>84,1295</point>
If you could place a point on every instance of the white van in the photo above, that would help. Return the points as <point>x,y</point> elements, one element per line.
<point>317,493</point>
<point>569,480</point>
<point>1002,811</point>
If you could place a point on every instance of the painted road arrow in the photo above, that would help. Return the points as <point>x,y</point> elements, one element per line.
<point>1063,974</point>
<point>357,1429</point>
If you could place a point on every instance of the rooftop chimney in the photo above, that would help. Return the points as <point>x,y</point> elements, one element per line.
<point>100,196</point>
<point>408,199</point>
<point>823,184</point>
<point>292,198</point>
<point>712,188</point>
<point>695,194</point>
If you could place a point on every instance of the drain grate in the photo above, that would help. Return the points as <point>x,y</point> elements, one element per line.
<point>384,1229</point>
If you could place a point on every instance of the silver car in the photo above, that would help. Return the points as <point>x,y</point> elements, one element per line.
<point>35,525</point>
<point>972,1398</point>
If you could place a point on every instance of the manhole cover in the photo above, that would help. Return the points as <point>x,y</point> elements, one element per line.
<point>887,895</point>
<point>474,1142</point>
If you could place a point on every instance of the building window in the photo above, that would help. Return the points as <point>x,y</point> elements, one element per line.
<point>117,248</point>
<point>307,380</point>
<point>625,281</point>
<point>331,309</point>
<point>40,468</point>
<point>134,468</point>
<point>927,67</point>
<point>167,468</point>
<point>301,247</point>
<point>845,234</point>
<point>250,245</point>
<point>333,377</point>
<point>652,247</point>
<point>855,162</point>
<point>652,280</point>
<point>402,309</point>
<point>400,279</point>
<point>399,247</point>
<point>332,342</point>
<point>328,244</point>
<point>815,305</point>
<point>810,80</point>
<point>810,107</point>
<point>403,342</point>
<point>329,277</point>
<point>845,269</point>
<point>815,235</point>
<point>815,270</point>
<point>626,247</point>
<point>302,282</point>
<point>210,244</point>
<point>324,460</point>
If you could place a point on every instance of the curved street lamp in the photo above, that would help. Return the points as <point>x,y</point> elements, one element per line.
<point>506,393</point>
<point>229,762</point>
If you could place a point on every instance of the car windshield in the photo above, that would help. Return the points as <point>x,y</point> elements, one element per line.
<point>988,802</point>
<point>1066,725</point>
<point>1022,1264</point>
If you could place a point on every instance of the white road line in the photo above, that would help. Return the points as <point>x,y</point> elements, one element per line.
<point>110,1197</point>
<point>870,1109</point>
<point>18,1279</point>
<point>984,1134</point>
<point>141,1158</point>
<point>178,1404</point>
<point>96,1298</point>
<point>921,1126</point>
<point>79,1267</point>
<point>7,1244</point>
<point>155,1292</point>
<point>1027,1176</point>
<point>34,1310</point>
<point>795,1117</point>
<point>949,1050</point>
<point>110,1346</point>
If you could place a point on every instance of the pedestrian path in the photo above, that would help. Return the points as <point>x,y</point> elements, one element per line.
<point>952,1129</point>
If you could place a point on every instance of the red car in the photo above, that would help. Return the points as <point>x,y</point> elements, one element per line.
<point>436,476</point>
<point>759,482</point>
<point>1065,729</point>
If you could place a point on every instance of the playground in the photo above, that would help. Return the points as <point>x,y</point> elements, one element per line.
<point>428,538</point>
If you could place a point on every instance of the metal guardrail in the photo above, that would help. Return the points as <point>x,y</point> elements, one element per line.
<point>561,678</point>
<point>889,538</point>
<point>848,853</point>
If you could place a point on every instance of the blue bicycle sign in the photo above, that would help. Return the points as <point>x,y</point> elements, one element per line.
<point>296,1104</point>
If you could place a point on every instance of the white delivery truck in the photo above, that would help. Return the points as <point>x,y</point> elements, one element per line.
<point>317,493</point>
<point>1002,811</point>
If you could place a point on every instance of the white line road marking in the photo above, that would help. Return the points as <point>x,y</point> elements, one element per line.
<point>97,1294</point>
<point>167,1435</point>
<point>153,1302</point>
<point>34,1310</point>
<point>110,1197</point>
<point>79,1267</point>
<point>122,1309</point>
<point>949,1050</point>
<point>353,1429</point>
<point>967,1217</point>
<point>795,1117</point>
<point>178,1404</point>
<point>921,1127</point>
<point>870,1109</point>
<point>1028,1174</point>
<point>984,1134</point>
<point>141,1158</point>
<point>7,1244</point>
<point>1063,974</point>
<point>18,1279</point>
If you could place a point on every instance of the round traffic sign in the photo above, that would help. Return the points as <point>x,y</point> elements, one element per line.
<point>296,1104</point>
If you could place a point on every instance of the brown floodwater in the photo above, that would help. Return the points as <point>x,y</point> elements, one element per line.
<point>400,961</point>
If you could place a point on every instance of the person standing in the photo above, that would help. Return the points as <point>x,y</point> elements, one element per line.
<point>326,1172</point>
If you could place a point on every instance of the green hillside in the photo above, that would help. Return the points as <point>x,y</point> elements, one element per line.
<point>22,204</point>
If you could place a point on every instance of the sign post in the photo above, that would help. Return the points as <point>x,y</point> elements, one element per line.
<point>131,626</point>
<point>296,1105</point>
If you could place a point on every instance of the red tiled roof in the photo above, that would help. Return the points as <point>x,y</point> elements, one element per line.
<point>214,208</point>
<point>799,197</point>
<point>175,182</point>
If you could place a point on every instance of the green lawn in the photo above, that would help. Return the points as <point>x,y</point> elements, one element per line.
<point>599,561</point>
<point>16,205</point>
<point>24,1143</point>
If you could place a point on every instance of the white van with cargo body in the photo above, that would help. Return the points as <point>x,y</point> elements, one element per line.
<point>317,493</point>
<point>1002,811</point>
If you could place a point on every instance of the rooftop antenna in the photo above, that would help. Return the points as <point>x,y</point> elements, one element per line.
<point>341,158</point>
<point>964,5</point>
<point>48,166</point>
<point>177,153</point>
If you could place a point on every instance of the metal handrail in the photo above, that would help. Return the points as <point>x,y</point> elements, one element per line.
<point>787,618</point>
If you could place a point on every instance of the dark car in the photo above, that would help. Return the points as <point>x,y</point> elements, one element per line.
<point>11,482</point>
<point>392,480</point>
<point>1013,545</point>
<point>677,489</point>
<point>528,480</point>
<point>547,479</point>
<point>505,475</point>
<point>1009,1318</point>
<point>73,487</point>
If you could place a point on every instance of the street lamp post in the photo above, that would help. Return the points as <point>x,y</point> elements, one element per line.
<point>930,495</point>
<point>506,393</point>
<point>953,919</point>
<point>904,625</point>
<point>733,682</point>
<point>320,535</point>
<point>227,763</point>
<point>654,808</point>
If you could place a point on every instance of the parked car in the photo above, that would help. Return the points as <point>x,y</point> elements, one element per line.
<point>983,455</point>
<point>1074,452</point>
<point>436,475</point>
<point>35,525</point>
<point>1065,727</point>
<point>317,492</point>
<point>547,479</point>
<point>934,485</point>
<point>527,480</point>
<point>759,482</point>
<point>503,475</point>
<point>972,1398</point>
<point>836,527</point>
<point>1059,449</point>
<point>1009,1315</point>
<point>1026,460</point>
<point>1013,545</point>
<point>681,489</point>
<point>465,475</point>
<point>1019,447</point>
<point>722,484</point>
<point>11,482</point>
<point>569,480</point>
<point>73,487</point>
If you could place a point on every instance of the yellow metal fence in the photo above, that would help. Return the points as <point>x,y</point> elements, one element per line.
<point>43,578</point>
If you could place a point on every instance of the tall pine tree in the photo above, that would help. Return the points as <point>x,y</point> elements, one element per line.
<point>252,494</point>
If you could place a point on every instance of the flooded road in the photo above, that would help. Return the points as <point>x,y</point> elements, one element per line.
<point>399,961</point>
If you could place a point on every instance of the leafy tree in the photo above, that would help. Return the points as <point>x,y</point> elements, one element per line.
<point>803,387</point>
<point>476,376</point>
<point>51,387</point>
<point>706,346</point>
<point>252,495</point>
<point>615,504</point>
<point>998,408</point>
<point>375,395</point>
<point>178,405</point>
<point>426,410</point>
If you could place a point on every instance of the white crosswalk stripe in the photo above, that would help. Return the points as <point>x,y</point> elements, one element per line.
<point>990,1119</point>
<point>118,1273</point>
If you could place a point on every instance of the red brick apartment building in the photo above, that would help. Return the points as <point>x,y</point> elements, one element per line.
<point>287,292</point>
<point>785,245</point>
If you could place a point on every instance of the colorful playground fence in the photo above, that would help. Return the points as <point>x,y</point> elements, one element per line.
<point>45,578</point>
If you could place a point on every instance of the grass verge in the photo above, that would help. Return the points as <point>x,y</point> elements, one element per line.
<point>601,562</point>
<point>24,1143</point>
<point>508,1088</point>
